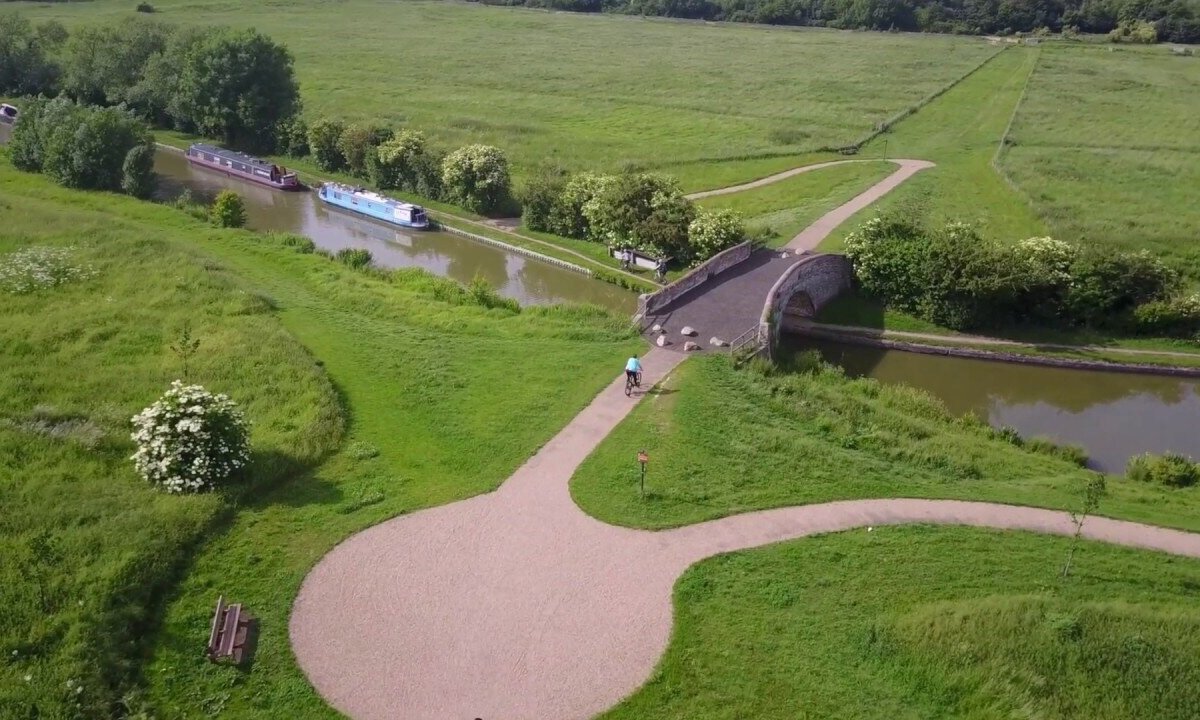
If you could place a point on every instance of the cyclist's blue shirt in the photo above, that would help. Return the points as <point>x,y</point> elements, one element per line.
<point>633,365</point>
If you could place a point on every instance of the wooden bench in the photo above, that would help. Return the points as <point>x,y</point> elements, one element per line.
<point>227,638</point>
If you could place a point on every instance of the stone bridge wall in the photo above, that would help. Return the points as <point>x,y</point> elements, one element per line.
<point>715,265</point>
<point>801,292</point>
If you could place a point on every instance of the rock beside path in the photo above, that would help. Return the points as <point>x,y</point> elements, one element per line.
<point>717,342</point>
<point>688,330</point>
<point>657,329</point>
<point>690,346</point>
<point>662,341</point>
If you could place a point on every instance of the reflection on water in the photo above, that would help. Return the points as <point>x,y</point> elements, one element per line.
<point>526,280</point>
<point>1113,415</point>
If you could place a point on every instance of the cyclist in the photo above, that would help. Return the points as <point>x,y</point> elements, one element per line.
<point>633,367</point>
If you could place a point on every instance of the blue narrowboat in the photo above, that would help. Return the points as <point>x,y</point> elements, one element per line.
<point>374,205</point>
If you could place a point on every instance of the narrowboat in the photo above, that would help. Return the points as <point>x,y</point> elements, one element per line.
<point>374,205</point>
<point>241,165</point>
<point>8,114</point>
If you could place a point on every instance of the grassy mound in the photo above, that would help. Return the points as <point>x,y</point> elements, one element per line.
<point>723,441</point>
<point>1047,658</point>
<point>421,377</point>
<point>920,622</point>
<point>86,547</point>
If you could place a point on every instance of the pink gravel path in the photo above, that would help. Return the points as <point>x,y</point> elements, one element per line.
<point>516,604</point>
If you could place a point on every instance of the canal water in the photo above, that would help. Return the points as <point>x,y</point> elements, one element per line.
<point>1112,415</point>
<point>527,280</point>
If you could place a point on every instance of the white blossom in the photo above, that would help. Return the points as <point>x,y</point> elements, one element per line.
<point>190,440</point>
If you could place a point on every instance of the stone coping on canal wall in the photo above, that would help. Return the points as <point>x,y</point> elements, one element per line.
<point>715,265</point>
<point>816,330</point>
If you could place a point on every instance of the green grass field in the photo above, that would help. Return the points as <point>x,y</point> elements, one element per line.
<point>1107,147</point>
<point>740,441</point>
<point>425,387</point>
<point>786,207</point>
<point>915,623</point>
<point>597,93</point>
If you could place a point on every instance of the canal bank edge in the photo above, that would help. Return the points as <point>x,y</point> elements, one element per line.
<point>600,273</point>
<point>816,330</point>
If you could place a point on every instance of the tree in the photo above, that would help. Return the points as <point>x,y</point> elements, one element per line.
<point>398,162</point>
<point>137,172</point>
<point>24,67</point>
<point>87,148</point>
<point>1094,490</point>
<point>237,85</point>
<point>293,136</point>
<point>567,218</point>
<point>540,196</point>
<point>228,210</point>
<point>103,63</point>
<point>476,177</point>
<point>1107,285</point>
<point>714,231</point>
<point>324,142</point>
<point>154,96</point>
<point>359,142</point>
<point>644,210</point>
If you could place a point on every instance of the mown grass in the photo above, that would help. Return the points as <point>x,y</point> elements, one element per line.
<point>79,360</point>
<point>1107,147</point>
<point>599,93</point>
<point>921,622</point>
<point>428,379</point>
<point>737,440</point>
<point>786,207</point>
<point>960,132</point>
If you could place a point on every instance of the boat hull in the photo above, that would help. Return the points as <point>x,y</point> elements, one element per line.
<point>249,177</point>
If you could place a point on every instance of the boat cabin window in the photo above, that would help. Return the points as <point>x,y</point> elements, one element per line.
<point>337,196</point>
<point>209,158</point>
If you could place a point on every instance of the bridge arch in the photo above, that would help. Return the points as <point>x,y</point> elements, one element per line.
<point>810,284</point>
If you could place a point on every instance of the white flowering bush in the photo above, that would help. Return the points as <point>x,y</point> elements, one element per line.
<point>40,266</point>
<point>1048,260</point>
<point>715,230</point>
<point>190,440</point>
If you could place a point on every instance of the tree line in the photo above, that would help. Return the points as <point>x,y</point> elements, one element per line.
<point>237,85</point>
<point>952,276</point>
<point>1173,20</point>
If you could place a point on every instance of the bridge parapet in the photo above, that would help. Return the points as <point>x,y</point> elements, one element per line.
<point>653,302</point>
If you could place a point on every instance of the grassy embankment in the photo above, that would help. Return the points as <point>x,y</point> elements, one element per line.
<point>424,380</point>
<point>919,622</point>
<point>738,441</point>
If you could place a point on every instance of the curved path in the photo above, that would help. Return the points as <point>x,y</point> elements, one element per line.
<point>516,604</point>
<point>811,236</point>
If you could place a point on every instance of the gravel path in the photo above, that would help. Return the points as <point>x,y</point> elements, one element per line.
<point>516,604</point>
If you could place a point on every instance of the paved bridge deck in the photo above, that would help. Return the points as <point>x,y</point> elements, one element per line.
<point>724,306</point>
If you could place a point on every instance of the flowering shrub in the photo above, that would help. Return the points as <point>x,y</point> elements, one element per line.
<point>714,231</point>
<point>34,268</point>
<point>476,177</point>
<point>190,440</point>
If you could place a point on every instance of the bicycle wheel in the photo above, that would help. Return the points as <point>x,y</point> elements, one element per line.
<point>628,386</point>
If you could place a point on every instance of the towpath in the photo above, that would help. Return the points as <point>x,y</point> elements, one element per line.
<point>516,604</point>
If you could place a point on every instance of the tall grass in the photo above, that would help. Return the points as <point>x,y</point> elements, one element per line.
<point>1107,146</point>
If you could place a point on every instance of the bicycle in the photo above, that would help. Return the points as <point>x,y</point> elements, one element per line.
<point>632,381</point>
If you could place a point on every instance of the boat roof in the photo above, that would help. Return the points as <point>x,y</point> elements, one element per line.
<point>231,155</point>
<point>371,195</point>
